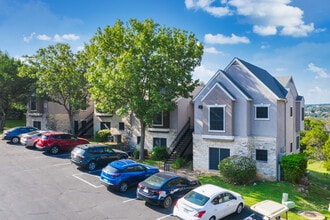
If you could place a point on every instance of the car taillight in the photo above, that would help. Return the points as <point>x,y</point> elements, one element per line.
<point>139,185</point>
<point>157,192</point>
<point>6,132</point>
<point>176,204</point>
<point>200,214</point>
<point>81,157</point>
<point>115,175</point>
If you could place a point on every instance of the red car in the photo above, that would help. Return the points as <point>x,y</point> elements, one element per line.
<point>53,142</point>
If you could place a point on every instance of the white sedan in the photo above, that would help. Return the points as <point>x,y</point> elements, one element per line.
<point>208,202</point>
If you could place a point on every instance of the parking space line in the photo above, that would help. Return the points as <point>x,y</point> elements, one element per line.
<point>129,200</point>
<point>85,181</point>
<point>61,164</point>
<point>166,216</point>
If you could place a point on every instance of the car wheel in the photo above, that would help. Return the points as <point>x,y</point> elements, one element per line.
<point>167,202</point>
<point>54,150</point>
<point>123,186</point>
<point>15,140</point>
<point>239,208</point>
<point>212,218</point>
<point>91,166</point>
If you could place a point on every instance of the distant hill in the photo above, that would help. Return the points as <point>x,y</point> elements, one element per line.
<point>318,110</point>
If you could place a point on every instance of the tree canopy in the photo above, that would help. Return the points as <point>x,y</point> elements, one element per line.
<point>14,89</point>
<point>141,68</point>
<point>59,75</point>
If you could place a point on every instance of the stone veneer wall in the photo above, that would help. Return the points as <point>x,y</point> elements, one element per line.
<point>245,146</point>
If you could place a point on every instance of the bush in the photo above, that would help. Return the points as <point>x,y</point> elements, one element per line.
<point>102,135</point>
<point>136,153</point>
<point>238,169</point>
<point>294,167</point>
<point>179,162</point>
<point>159,153</point>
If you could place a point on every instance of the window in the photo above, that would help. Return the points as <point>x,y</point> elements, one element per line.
<point>291,144</point>
<point>159,142</point>
<point>37,124</point>
<point>105,125</point>
<point>33,103</point>
<point>262,112</point>
<point>291,111</point>
<point>216,155</point>
<point>261,155</point>
<point>158,120</point>
<point>302,113</point>
<point>216,118</point>
<point>121,126</point>
<point>138,139</point>
<point>297,142</point>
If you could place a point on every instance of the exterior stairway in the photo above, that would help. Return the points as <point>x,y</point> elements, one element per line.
<point>180,145</point>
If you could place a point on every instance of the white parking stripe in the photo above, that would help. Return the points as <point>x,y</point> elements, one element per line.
<point>85,181</point>
<point>129,200</point>
<point>164,217</point>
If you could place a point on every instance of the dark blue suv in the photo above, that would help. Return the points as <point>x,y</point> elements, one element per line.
<point>14,134</point>
<point>121,174</point>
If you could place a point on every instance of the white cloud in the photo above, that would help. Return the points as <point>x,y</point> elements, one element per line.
<point>212,50</point>
<point>203,73</point>
<point>320,72</point>
<point>28,38</point>
<point>221,39</point>
<point>66,37</point>
<point>267,17</point>
<point>317,95</point>
<point>206,5</point>
<point>44,37</point>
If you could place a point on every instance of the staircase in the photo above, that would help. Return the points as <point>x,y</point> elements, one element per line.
<point>182,142</point>
<point>81,132</point>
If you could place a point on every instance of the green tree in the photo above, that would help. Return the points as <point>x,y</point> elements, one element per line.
<point>141,68</point>
<point>314,138</point>
<point>13,89</point>
<point>60,77</point>
<point>326,152</point>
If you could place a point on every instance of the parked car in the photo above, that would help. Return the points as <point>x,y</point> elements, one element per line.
<point>121,174</point>
<point>91,156</point>
<point>53,142</point>
<point>30,139</point>
<point>208,202</point>
<point>163,188</point>
<point>13,134</point>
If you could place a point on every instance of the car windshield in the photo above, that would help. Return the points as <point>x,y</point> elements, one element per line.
<point>196,198</point>
<point>155,181</point>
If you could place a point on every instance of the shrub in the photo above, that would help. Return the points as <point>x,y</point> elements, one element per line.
<point>179,162</point>
<point>136,153</point>
<point>102,135</point>
<point>238,169</point>
<point>294,167</point>
<point>159,153</point>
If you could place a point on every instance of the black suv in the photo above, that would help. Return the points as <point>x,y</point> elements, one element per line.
<point>91,156</point>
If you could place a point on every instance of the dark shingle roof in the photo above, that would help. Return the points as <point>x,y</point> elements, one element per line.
<point>267,79</point>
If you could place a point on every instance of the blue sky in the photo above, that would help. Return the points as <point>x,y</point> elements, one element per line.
<point>281,36</point>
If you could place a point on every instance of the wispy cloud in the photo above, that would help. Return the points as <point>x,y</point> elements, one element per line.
<point>320,72</point>
<point>56,38</point>
<point>212,50</point>
<point>221,39</point>
<point>269,17</point>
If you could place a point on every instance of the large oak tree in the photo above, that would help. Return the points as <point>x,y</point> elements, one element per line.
<point>141,67</point>
<point>60,77</point>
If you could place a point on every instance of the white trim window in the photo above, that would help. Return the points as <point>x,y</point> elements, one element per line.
<point>261,112</point>
<point>217,118</point>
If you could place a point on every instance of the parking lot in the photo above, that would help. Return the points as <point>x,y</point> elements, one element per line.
<point>35,185</point>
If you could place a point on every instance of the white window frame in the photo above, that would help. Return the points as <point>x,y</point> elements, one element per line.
<point>224,118</point>
<point>255,111</point>
<point>162,120</point>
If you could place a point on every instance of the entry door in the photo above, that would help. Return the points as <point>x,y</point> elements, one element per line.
<point>216,155</point>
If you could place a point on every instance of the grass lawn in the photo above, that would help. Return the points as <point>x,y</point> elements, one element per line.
<point>14,123</point>
<point>316,198</point>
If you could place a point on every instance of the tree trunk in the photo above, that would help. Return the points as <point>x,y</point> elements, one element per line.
<point>70,113</point>
<point>143,134</point>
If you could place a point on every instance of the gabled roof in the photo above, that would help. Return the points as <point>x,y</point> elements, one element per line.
<point>266,78</point>
<point>223,88</point>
